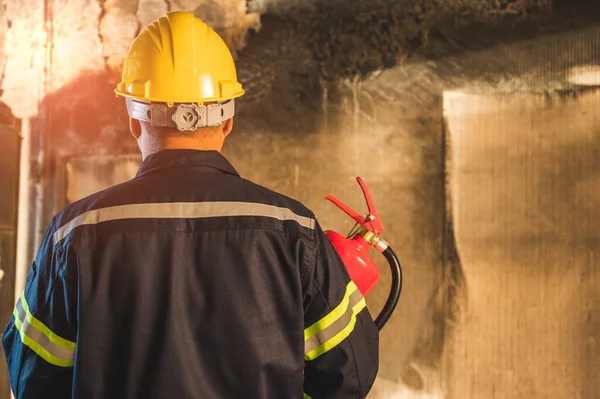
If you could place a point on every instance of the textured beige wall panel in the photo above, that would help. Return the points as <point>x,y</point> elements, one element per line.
<point>88,175</point>
<point>523,184</point>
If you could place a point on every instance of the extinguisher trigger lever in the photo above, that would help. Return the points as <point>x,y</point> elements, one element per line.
<point>371,221</point>
<point>353,214</point>
<point>374,222</point>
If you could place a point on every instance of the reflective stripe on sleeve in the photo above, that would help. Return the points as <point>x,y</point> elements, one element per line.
<point>34,334</point>
<point>332,329</point>
<point>181,210</point>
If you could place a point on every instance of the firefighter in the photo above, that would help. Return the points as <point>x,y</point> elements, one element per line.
<point>187,281</point>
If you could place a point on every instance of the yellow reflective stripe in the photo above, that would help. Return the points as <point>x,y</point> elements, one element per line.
<point>55,339</point>
<point>336,326</point>
<point>338,338</point>
<point>333,315</point>
<point>35,335</point>
<point>305,396</point>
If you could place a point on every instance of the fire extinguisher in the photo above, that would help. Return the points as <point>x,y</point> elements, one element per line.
<point>353,249</point>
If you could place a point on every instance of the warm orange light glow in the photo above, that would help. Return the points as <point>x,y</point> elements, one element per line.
<point>31,71</point>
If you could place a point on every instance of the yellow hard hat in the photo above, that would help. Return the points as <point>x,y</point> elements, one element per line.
<point>179,59</point>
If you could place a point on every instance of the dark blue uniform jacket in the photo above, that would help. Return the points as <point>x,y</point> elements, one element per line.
<point>189,282</point>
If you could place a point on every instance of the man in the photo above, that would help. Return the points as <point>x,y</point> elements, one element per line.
<point>188,281</point>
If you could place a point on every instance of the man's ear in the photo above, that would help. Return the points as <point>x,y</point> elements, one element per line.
<point>135,127</point>
<point>227,127</point>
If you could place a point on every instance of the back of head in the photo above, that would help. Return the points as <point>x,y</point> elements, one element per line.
<point>179,76</point>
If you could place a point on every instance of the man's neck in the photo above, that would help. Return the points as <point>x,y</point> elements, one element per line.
<point>181,143</point>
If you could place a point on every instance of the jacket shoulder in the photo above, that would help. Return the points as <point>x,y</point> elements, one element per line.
<point>257,193</point>
<point>136,191</point>
<point>110,196</point>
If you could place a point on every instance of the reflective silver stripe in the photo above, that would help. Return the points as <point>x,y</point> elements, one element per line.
<point>40,338</point>
<point>181,210</point>
<point>334,328</point>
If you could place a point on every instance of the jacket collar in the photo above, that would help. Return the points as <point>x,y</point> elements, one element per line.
<point>184,158</point>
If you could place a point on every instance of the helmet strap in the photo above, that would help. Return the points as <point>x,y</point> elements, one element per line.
<point>183,116</point>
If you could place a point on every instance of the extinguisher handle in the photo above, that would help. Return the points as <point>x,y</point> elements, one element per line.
<point>371,222</point>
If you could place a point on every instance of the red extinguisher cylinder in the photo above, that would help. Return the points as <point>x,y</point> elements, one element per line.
<point>354,253</point>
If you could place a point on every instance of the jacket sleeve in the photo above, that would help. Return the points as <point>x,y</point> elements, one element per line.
<point>39,341</point>
<point>341,340</point>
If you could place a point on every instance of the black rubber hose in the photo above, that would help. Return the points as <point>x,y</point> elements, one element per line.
<point>395,289</point>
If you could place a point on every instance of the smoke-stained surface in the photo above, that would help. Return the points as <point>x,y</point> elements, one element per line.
<point>525,190</point>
